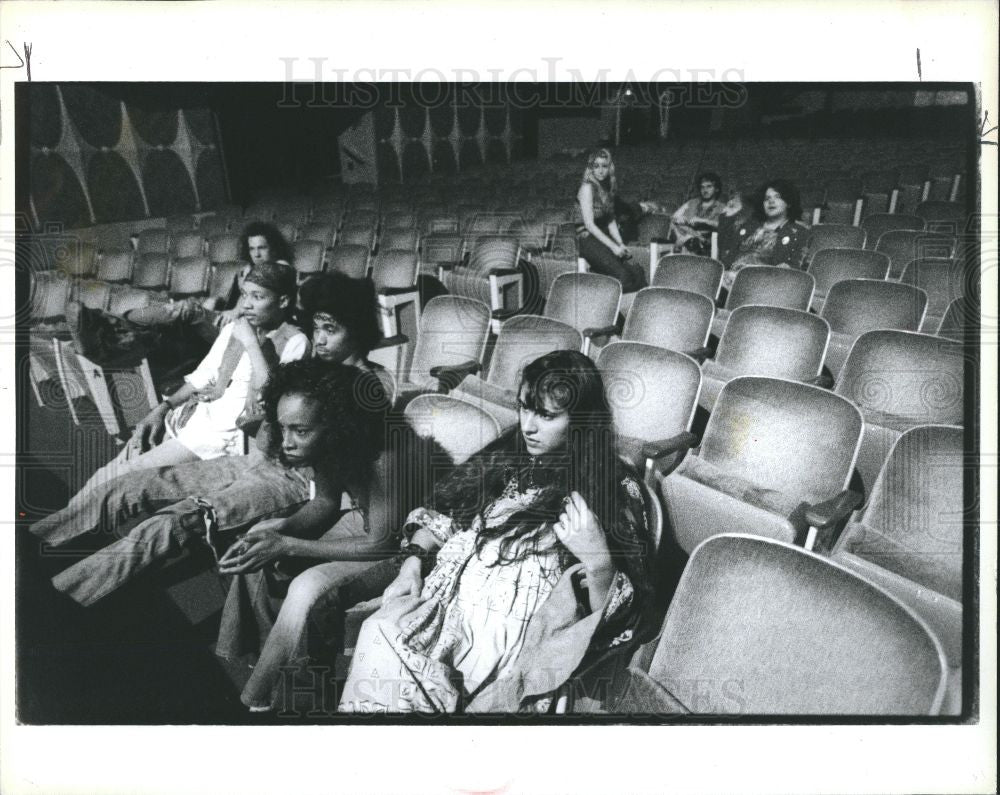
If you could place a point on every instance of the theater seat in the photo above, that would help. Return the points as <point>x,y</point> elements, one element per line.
<point>673,319</point>
<point>766,341</point>
<point>877,224</point>
<point>908,539</point>
<point>900,379</point>
<point>522,339</point>
<point>759,627</point>
<point>351,260</point>
<point>856,306</point>
<point>943,282</point>
<point>771,449</point>
<point>702,275</point>
<point>588,302</point>
<point>765,285</point>
<point>903,246</point>
<point>834,265</point>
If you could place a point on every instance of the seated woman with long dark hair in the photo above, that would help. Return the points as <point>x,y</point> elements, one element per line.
<point>545,506</point>
<point>599,240</point>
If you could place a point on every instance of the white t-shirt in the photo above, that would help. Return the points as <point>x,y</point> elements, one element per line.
<point>211,430</point>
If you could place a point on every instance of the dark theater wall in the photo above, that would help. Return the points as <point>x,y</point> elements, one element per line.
<point>104,153</point>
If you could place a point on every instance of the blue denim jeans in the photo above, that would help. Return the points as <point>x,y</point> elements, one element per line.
<point>156,512</point>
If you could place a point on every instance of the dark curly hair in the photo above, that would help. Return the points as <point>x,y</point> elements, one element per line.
<point>354,405</point>
<point>280,248</point>
<point>789,193</point>
<point>563,380</point>
<point>710,176</point>
<point>351,302</point>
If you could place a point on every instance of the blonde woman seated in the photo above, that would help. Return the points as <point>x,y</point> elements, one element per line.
<point>542,527</point>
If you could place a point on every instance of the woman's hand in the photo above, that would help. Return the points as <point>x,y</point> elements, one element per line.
<point>620,250</point>
<point>580,531</point>
<point>261,545</point>
<point>407,583</point>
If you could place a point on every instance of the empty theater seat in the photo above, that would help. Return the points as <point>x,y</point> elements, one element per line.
<point>764,285</point>
<point>908,540</point>
<point>759,627</point>
<point>900,379</point>
<point>766,341</point>
<point>855,306</point>
<point>771,449</point>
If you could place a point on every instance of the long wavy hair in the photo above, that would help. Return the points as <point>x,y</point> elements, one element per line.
<point>279,247</point>
<point>560,381</point>
<point>609,186</point>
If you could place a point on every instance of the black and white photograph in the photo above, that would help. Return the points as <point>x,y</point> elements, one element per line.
<point>574,398</point>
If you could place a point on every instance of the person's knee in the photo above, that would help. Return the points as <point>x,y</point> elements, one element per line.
<point>310,592</point>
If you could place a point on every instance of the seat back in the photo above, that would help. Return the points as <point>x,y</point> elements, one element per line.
<point>153,241</point>
<point>359,235</point>
<point>942,216</point>
<point>399,219</point>
<point>941,279</point>
<point>77,259</point>
<point>351,260</point>
<point>653,227</point>
<point>523,339</point>
<point>223,281</point>
<point>359,217</point>
<point>187,244</point>
<point>124,298</point>
<point>855,306</point>
<point>115,266</point>
<point>189,276</point>
<point>913,524</point>
<point>180,225</point>
<point>308,257</point>
<point>584,300</point>
<point>453,330</point>
<point>652,391</point>
<point>793,438</point>
<point>773,341</point>
<point>324,233</point>
<point>213,225</point>
<point>50,291</point>
<point>823,236</point>
<point>93,294</point>
<point>781,631</point>
<point>903,246</point>
<point>460,428</point>
<point>392,268</point>
<point>224,248</point>
<point>151,271</point>
<point>877,224</point>
<point>702,275</point>
<point>399,239</point>
<point>674,319</point>
<point>765,285</point>
<point>900,379</point>
<point>493,252</point>
<point>833,265</point>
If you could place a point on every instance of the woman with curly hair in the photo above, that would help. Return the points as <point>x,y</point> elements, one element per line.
<point>598,236</point>
<point>773,236</point>
<point>547,504</point>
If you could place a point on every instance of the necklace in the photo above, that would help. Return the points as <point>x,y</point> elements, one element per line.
<point>512,477</point>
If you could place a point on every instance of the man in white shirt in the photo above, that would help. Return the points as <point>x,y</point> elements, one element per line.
<point>199,420</point>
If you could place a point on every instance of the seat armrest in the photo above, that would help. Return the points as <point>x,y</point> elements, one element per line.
<point>699,354</point>
<point>825,514</point>
<point>397,290</point>
<point>661,448</point>
<point>505,272</point>
<point>447,266</point>
<point>389,342</point>
<point>600,331</point>
<point>450,376</point>
<point>824,381</point>
<point>504,314</point>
